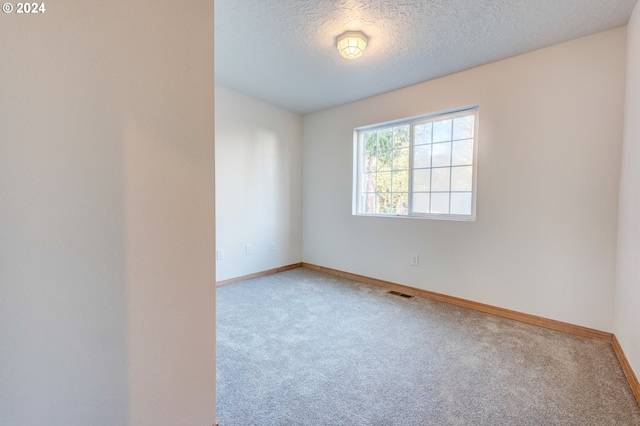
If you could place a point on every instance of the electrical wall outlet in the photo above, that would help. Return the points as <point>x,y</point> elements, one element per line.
<point>219,254</point>
<point>415,259</point>
<point>272,246</point>
<point>248,249</point>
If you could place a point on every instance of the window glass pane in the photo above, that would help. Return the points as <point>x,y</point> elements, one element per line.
<point>462,178</point>
<point>370,142</point>
<point>383,162</point>
<point>461,203</point>
<point>400,204</point>
<point>385,139</point>
<point>441,155</point>
<point>368,182</point>
<point>401,136</point>
<point>422,156</point>
<point>462,153</point>
<point>422,180</point>
<point>401,159</point>
<point>383,203</point>
<point>400,181</point>
<point>369,162</point>
<point>439,179</point>
<point>463,127</point>
<point>422,134</point>
<point>421,202</point>
<point>368,203</point>
<point>383,183</point>
<point>440,203</point>
<point>442,131</point>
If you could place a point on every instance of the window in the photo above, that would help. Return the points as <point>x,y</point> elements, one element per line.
<point>418,167</point>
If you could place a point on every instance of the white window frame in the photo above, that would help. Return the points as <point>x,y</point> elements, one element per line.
<point>358,161</point>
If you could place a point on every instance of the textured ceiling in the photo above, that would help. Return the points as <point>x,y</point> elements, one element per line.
<point>283,51</point>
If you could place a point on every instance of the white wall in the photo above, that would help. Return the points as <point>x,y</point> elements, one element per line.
<point>544,242</point>
<point>627,314</point>
<point>107,301</point>
<point>259,184</point>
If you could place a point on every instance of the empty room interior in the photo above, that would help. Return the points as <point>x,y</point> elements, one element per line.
<point>320,180</point>
<point>296,212</point>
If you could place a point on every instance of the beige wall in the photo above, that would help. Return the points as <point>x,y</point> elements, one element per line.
<point>544,242</point>
<point>259,190</point>
<point>107,310</point>
<point>627,314</point>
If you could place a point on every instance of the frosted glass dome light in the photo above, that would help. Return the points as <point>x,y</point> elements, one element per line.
<point>351,44</point>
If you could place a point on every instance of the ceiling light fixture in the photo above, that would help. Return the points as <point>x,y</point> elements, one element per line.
<point>351,44</point>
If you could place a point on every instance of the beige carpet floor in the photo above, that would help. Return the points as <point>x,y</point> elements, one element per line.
<point>305,348</point>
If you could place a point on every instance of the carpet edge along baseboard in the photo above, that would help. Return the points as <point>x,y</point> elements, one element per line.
<point>476,306</point>
<point>258,274</point>
<point>626,368</point>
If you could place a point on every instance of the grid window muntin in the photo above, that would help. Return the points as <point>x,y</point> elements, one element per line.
<point>440,177</point>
